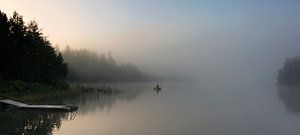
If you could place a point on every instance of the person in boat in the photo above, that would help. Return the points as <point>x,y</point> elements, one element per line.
<point>157,86</point>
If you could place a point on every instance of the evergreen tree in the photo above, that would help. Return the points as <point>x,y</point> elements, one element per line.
<point>4,45</point>
<point>87,66</point>
<point>26,54</point>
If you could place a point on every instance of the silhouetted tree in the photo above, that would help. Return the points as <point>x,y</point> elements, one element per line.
<point>26,54</point>
<point>5,46</point>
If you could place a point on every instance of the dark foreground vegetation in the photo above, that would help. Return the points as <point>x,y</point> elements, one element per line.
<point>29,63</point>
<point>290,74</point>
<point>26,54</point>
<point>20,90</point>
<point>18,122</point>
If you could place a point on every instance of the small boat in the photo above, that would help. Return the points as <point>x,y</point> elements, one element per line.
<point>157,88</point>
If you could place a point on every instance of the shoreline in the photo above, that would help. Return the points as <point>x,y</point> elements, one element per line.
<point>32,91</point>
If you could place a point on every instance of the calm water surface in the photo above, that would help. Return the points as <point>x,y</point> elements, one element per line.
<point>180,108</point>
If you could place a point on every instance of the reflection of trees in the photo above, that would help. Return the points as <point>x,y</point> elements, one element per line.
<point>92,101</point>
<point>290,95</point>
<point>16,122</point>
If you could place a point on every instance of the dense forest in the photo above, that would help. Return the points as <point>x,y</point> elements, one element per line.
<point>87,66</point>
<point>26,54</point>
<point>290,74</point>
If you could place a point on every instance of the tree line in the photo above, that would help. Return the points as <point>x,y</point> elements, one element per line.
<point>290,74</point>
<point>87,66</point>
<point>26,54</point>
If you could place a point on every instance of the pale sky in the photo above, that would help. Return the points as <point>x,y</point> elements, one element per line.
<point>184,36</point>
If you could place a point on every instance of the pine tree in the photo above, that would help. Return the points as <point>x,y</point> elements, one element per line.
<point>26,54</point>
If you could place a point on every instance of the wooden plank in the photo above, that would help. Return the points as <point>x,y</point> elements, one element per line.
<point>42,107</point>
<point>15,103</point>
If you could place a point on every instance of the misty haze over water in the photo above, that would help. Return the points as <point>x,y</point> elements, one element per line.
<point>206,40</point>
<point>179,108</point>
<point>217,63</point>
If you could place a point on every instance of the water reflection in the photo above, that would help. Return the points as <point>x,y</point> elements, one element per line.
<point>92,101</point>
<point>14,121</point>
<point>157,90</point>
<point>31,122</point>
<point>290,96</point>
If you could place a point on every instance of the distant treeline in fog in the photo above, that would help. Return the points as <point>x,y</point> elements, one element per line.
<point>87,66</point>
<point>290,74</point>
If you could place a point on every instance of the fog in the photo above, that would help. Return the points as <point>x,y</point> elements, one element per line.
<point>206,40</point>
<point>251,44</point>
<point>176,66</point>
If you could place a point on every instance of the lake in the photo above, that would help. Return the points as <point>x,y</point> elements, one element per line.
<point>207,108</point>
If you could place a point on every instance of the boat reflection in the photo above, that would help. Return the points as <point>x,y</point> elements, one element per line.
<point>157,90</point>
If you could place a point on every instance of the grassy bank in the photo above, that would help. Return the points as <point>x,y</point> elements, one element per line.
<point>32,91</point>
<point>19,90</point>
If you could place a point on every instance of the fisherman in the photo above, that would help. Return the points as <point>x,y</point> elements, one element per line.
<point>157,86</point>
